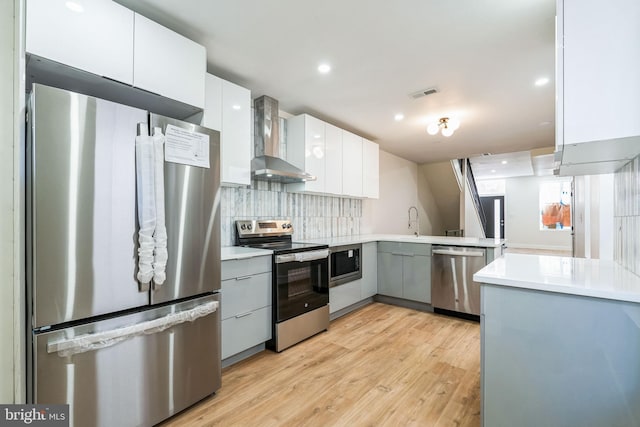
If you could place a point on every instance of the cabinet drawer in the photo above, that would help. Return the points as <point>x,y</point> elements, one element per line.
<point>402,248</point>
<point>344,295</point>
<point>247,293</point>
<point>245,267</point>
<point>246,331</point>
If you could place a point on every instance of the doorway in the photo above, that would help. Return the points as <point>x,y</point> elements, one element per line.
<point>488,205</point>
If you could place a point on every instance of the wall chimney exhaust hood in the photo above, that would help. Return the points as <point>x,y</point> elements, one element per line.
<point>267,165</point>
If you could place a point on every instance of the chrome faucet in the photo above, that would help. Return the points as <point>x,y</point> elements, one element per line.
<point>415,221</point>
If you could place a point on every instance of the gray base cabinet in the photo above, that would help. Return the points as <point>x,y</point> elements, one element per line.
<point>246,304</point>
<point>369,270</point>
<point>551,359</point>
<point>404,270</point>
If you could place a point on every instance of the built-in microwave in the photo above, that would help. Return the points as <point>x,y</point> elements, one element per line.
<point>344,264</point>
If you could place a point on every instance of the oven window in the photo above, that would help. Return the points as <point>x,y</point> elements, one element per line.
<point>301,287</point>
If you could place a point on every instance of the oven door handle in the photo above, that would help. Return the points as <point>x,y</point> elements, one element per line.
<point>302,256</point>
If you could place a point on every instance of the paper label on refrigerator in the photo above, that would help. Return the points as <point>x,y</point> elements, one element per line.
<point>186,147</point>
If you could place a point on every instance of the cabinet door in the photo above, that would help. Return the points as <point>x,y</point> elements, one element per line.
<point>245,330</point>
<point>417,278</point>
<point>370,169</point>
<point>369,265</point>
<point>333,159</point>
<point>96,36</point>
<point>600,81</point>
<point>390,274</point>
<point>352,165</point>
<point>344,295</point>
<point>314,153</point>
<point>236,134</point>
<point>246,293</point>
<point>167,63</point>
<point>212,117</point>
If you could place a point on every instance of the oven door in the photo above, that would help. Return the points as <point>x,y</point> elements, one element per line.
<point>301,283</point>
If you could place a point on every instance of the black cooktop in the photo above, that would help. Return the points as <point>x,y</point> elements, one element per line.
<point>287,247</point>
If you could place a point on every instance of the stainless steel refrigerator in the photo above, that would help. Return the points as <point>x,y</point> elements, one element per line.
<point>119,352</point>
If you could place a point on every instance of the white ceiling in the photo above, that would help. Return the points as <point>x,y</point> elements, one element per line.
<point>483,56</point>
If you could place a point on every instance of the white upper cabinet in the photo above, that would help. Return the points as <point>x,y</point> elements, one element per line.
<point>236,134</point>
<point>333,159</point>
<point>598,64</point>
<point>228,110</point>
<point>352,164</point>
<point>370,169</point>
<point>212,115</point>
<point>167,63</point>
<point>306,149</point>
<point>94,36</point>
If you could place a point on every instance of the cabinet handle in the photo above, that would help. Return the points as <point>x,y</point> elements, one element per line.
<point>244,277</point>
<point>248,313</point>
<point>400,254</point>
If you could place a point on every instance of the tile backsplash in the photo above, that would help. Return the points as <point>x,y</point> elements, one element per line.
<point>313,216</point>
<point>627,216</point>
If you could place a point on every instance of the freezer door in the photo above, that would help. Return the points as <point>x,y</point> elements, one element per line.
<point>140,380</point>
<point>81,205</point>
<point>192,210</point>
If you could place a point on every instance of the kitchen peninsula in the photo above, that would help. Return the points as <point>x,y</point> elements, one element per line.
<point>560,342</point>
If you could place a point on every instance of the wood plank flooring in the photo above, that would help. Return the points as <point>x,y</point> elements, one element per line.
<point>379,366</point>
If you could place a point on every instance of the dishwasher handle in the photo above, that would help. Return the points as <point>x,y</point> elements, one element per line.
<point>453,252</point>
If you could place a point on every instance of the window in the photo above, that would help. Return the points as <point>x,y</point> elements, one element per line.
<point>555,205</point>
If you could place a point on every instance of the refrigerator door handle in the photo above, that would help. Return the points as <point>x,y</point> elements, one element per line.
<point>96,341</point>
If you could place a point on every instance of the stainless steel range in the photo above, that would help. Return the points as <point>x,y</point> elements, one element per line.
<point>300,280</point>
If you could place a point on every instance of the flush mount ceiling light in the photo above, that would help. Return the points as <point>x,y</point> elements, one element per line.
<point>324,68</point>
<point>74,6</point>
<point>541,81</point>
<point>398,117</point>
<point>445,125</point>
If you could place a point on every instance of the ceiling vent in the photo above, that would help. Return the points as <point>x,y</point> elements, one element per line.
<point>424,92</point>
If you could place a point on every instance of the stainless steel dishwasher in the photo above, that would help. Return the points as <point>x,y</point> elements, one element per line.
<point>452,285</point>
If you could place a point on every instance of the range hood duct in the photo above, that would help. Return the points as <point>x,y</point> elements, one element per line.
<point>267,164</point>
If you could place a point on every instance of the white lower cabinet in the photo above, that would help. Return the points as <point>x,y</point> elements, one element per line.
<point>344,295</point>
<point>246,304</point>
<point>350,293</point>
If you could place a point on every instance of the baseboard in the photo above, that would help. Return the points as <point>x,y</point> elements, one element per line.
<point>243,355</point>
<point>350,308</point>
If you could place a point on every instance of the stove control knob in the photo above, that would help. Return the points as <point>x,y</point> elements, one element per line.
<point>249,226</point>
<point>284,226</point>
<point>288,225</point>
<point>243,227</point>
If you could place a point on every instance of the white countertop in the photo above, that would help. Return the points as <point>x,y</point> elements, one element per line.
<point>240,252</point>
<point>405,238</point>
<point>574,276</point>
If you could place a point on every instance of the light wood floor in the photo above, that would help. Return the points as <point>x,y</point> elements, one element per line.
<point>380,366</point>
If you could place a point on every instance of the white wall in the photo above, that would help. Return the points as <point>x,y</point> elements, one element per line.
<point>7,204</point>
<point>522,223</point>
<point>398,191</point>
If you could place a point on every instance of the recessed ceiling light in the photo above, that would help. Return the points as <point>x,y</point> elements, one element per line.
<point>74,6</point>
<point>398,117</point>
<point>504,162</point>
<point>235,107</point>
<point>493,171</point>
<point>542,81</point>
<point>324,68</point>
